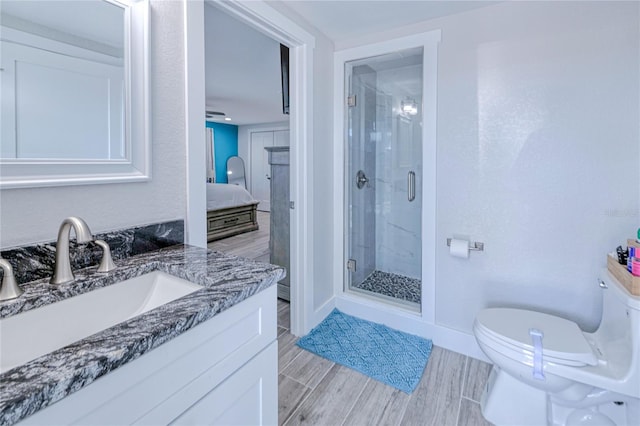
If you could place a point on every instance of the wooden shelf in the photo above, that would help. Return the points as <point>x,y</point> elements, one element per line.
<point>619,271</point>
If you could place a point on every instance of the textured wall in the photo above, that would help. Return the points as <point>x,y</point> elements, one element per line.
<point>323,169</point>
<point>538,148</point>
<point>33,215</point>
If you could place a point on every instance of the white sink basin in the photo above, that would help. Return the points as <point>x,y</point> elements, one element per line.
<point>34,333</point>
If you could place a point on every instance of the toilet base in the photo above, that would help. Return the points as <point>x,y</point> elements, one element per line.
<point>626,412</point>
<point>507,401</point>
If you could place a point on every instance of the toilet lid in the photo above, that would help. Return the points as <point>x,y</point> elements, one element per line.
<point>562,340</point>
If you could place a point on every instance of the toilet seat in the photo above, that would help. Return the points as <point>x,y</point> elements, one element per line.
<point>563,341</point>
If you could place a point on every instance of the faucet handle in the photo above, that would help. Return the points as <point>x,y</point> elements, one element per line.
<point>106,264</point>
<point>9,288</point>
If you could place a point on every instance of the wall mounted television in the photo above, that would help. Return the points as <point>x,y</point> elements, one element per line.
<point>284,71</point>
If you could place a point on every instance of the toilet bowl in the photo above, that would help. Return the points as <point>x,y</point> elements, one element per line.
<point>548,371</point>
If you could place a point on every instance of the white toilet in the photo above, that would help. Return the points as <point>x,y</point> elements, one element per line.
<point>549,372</point>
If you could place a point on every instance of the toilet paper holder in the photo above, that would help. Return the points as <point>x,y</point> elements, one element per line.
<point>476,246</point>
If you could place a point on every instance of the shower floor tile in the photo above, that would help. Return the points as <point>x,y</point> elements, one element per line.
<point>392,285</point>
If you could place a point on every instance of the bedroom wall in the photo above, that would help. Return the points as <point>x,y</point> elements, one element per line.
<point>225,138</point>
<point>537,156</point>
<point>34,215</point>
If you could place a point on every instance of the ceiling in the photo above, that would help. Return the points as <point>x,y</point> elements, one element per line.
<point>242,71</point>
<point>345,19</point>
<point>243,66</point>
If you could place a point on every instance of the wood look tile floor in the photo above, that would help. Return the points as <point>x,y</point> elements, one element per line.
<point>252,245</point>
<point>315,391</point>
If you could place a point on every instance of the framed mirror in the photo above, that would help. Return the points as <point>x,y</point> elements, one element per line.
<point>75,92</point>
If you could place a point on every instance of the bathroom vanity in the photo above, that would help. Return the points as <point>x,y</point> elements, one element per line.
<point>208,357</point>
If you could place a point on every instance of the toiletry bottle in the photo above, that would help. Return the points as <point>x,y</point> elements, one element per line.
<point>635,267</point>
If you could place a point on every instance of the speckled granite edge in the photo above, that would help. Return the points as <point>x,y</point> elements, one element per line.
<point>227,280</point>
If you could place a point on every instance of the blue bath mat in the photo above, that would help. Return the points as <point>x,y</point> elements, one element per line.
<point>382,353</point>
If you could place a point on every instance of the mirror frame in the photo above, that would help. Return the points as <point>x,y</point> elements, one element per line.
<point>136,167</point>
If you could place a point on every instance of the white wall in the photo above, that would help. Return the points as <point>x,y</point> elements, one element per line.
<point>322,154</point>
<point>34,215</point>
<point>323,170</point>
<point>537,157</point>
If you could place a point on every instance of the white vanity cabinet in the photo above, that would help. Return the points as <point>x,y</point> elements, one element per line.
<point>223,371</point>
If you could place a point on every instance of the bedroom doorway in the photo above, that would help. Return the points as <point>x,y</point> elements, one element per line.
<point>233,99</point>
<point>301,44</point>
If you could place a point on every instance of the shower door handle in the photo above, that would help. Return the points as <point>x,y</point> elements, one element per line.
<point>411,186</point>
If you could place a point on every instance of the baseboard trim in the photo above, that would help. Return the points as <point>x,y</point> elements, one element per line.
<point>322,312</point>
<point>409,322</point>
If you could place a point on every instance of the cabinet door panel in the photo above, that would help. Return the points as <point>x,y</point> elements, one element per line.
<point>245,398</point>
<point>163,383</point>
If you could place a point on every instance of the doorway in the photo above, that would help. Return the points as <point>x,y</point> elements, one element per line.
<point>301,44</point>
<point>383,177</point>
<point>387,132</point>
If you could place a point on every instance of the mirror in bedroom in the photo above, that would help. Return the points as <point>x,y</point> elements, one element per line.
<point>235,172</point>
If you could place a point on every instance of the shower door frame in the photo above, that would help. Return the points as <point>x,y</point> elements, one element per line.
<point>354,144</point>
<point>429,42</point>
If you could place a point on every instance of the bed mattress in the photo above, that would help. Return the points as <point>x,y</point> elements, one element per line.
<point>222,195</point>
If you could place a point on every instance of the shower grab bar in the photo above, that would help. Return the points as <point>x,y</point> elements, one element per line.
<point>411,184</point>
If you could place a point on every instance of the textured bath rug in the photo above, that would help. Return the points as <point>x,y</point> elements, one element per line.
<point>382,353</point>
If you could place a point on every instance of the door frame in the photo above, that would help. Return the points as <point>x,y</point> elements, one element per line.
<point>351,213</point>
<point>429,41</point>
<point>264,18</point>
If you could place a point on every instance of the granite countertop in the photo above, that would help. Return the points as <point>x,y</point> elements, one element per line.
<point>227,280</point>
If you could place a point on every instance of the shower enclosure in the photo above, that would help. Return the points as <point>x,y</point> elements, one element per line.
<point>383,176</point>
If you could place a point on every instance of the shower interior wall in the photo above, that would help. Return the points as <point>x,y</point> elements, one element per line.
<point>385,226</point>
<point>398,145</point>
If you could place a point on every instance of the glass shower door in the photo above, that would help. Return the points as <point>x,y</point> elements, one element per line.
<point>384,176</point>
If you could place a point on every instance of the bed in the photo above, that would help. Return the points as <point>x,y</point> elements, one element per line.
<point>231,210</point>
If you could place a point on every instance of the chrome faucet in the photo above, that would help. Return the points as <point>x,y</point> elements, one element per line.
<point>62,272</point>
<point>9,289</point>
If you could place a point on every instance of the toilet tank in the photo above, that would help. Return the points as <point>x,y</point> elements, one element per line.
<point>619,308</point>
<point>619,331</point>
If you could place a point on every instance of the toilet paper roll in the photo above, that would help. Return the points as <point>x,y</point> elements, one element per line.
<point>459,248</point>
